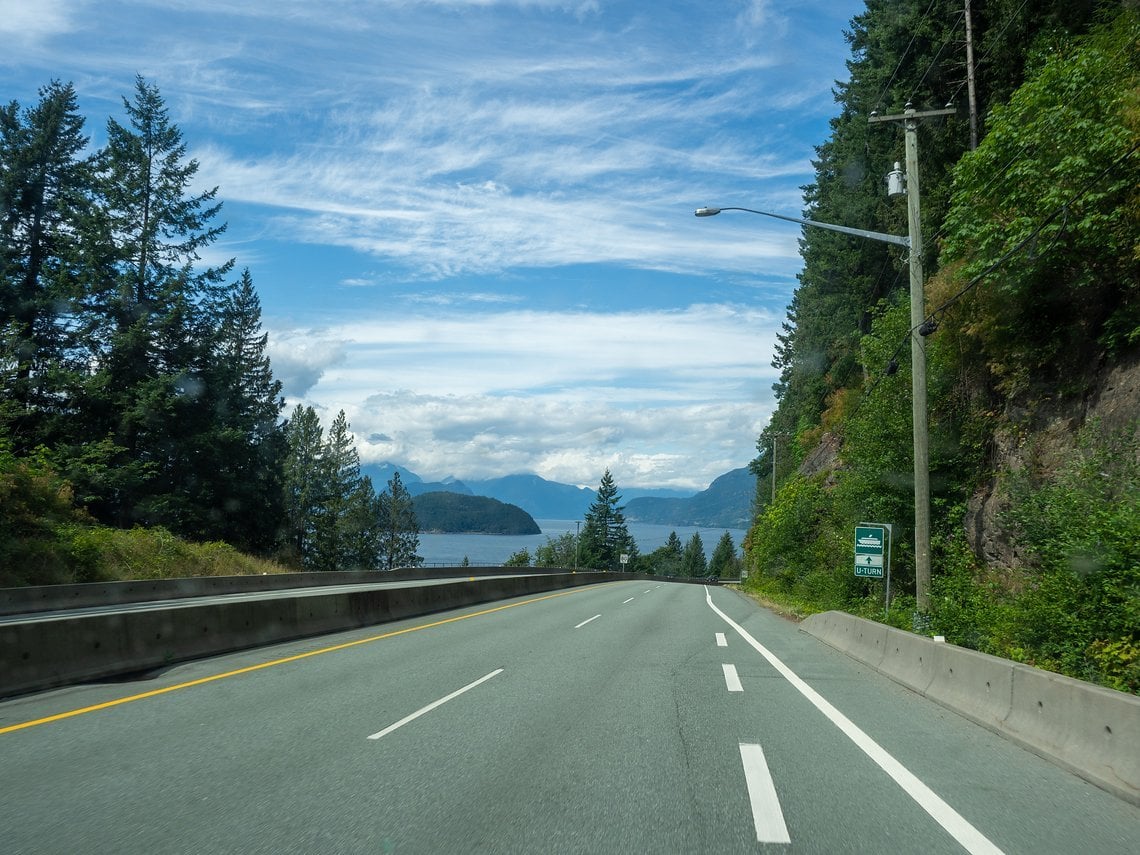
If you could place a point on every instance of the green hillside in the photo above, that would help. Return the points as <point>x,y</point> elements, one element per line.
<point>1031,330</point>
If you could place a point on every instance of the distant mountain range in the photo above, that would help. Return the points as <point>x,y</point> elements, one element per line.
<point>727,502</point>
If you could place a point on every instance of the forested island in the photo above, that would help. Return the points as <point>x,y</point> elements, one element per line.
<point>454,513</point>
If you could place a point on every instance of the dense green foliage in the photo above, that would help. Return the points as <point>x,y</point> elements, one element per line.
<point>1033,259</point>
<point>518,559</point>
<point>46,540</point>
<point>561,551</point>
<point>454,512</point>
<point>666,559</point>
<point>137,376</point>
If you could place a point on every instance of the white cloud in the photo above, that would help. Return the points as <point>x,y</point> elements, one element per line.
<point>563,395</point>
<point>301,357</point>
<point>28,22</point>
<point>479,436</point>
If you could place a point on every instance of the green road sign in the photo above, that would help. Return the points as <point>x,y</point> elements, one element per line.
<point>870,550</point>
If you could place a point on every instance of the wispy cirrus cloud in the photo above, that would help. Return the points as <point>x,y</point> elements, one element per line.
<point>30,23</point>
<point>470,221</point>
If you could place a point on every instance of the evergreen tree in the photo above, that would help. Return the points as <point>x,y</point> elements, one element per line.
<point>246,436</point>
<point>362,535</point>
<point>665,560</point>
<point>724,561</point>
<point>693,562</point>
<point>605,536</point>
<point>158,316</point>
<point>342,496</point>
<point>44,198</point>
<point>399,530</point>
<point>304,487</point>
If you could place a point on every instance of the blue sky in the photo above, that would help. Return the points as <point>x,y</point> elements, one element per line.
<point>470,221</point>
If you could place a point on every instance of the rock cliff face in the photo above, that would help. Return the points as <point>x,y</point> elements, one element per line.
<point>1041,439</point>
<point>824,456</point>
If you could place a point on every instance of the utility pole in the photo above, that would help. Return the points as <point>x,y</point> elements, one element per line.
<point>774,436</point>
<point>910,119</point>
<point>970,79</point>
<point>773,469</point>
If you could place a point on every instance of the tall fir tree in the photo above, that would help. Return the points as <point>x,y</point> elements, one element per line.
<point>247,440</point>
<point>159,313</point>
<point>340,476</point>
<point>44,199</point>
<point>399,529</point>
<point>724,561</point>
<point>303,485</point>
<point>605,537</point>
<point>693,562</point>
<point>363,523</point>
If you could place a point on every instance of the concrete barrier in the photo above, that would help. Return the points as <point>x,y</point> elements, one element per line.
<point>1089,730</point>
<point>978,686</point>
<point>907,658</point>
<point>44,598</point>
<point>43,653</point>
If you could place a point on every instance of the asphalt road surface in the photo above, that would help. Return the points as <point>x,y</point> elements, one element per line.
<point>625,717</point>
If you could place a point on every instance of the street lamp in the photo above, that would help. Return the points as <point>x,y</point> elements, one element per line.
<point>895,239</point>
<point>913,243</point>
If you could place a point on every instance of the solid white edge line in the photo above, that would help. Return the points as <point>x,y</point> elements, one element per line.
<point>586,621</point>
<point>955,824</point>
<point>382,733</point>
<point>766,813</point>
<point>731,678</point>
<point>721,641</point>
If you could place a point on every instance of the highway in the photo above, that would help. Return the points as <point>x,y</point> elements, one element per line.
<point>624,717</point>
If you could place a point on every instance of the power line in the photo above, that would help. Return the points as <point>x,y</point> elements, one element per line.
<point>937,56</point>
<point>902,59</point>
<point>989,50</point>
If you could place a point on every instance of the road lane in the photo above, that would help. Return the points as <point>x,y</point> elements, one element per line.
<point>1020,801</point>
<point>619,736</point>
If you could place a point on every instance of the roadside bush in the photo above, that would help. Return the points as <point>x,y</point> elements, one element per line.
<point>966,607</point>
<point>46,540</point>
<point>518,559</point>
<point>1080,611</point>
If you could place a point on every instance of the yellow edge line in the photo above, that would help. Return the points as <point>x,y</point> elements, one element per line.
<point>251,668</point>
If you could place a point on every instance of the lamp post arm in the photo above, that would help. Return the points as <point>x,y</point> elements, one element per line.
<point>900,240</point>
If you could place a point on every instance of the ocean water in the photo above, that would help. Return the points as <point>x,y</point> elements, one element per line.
<point>492,549</point>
